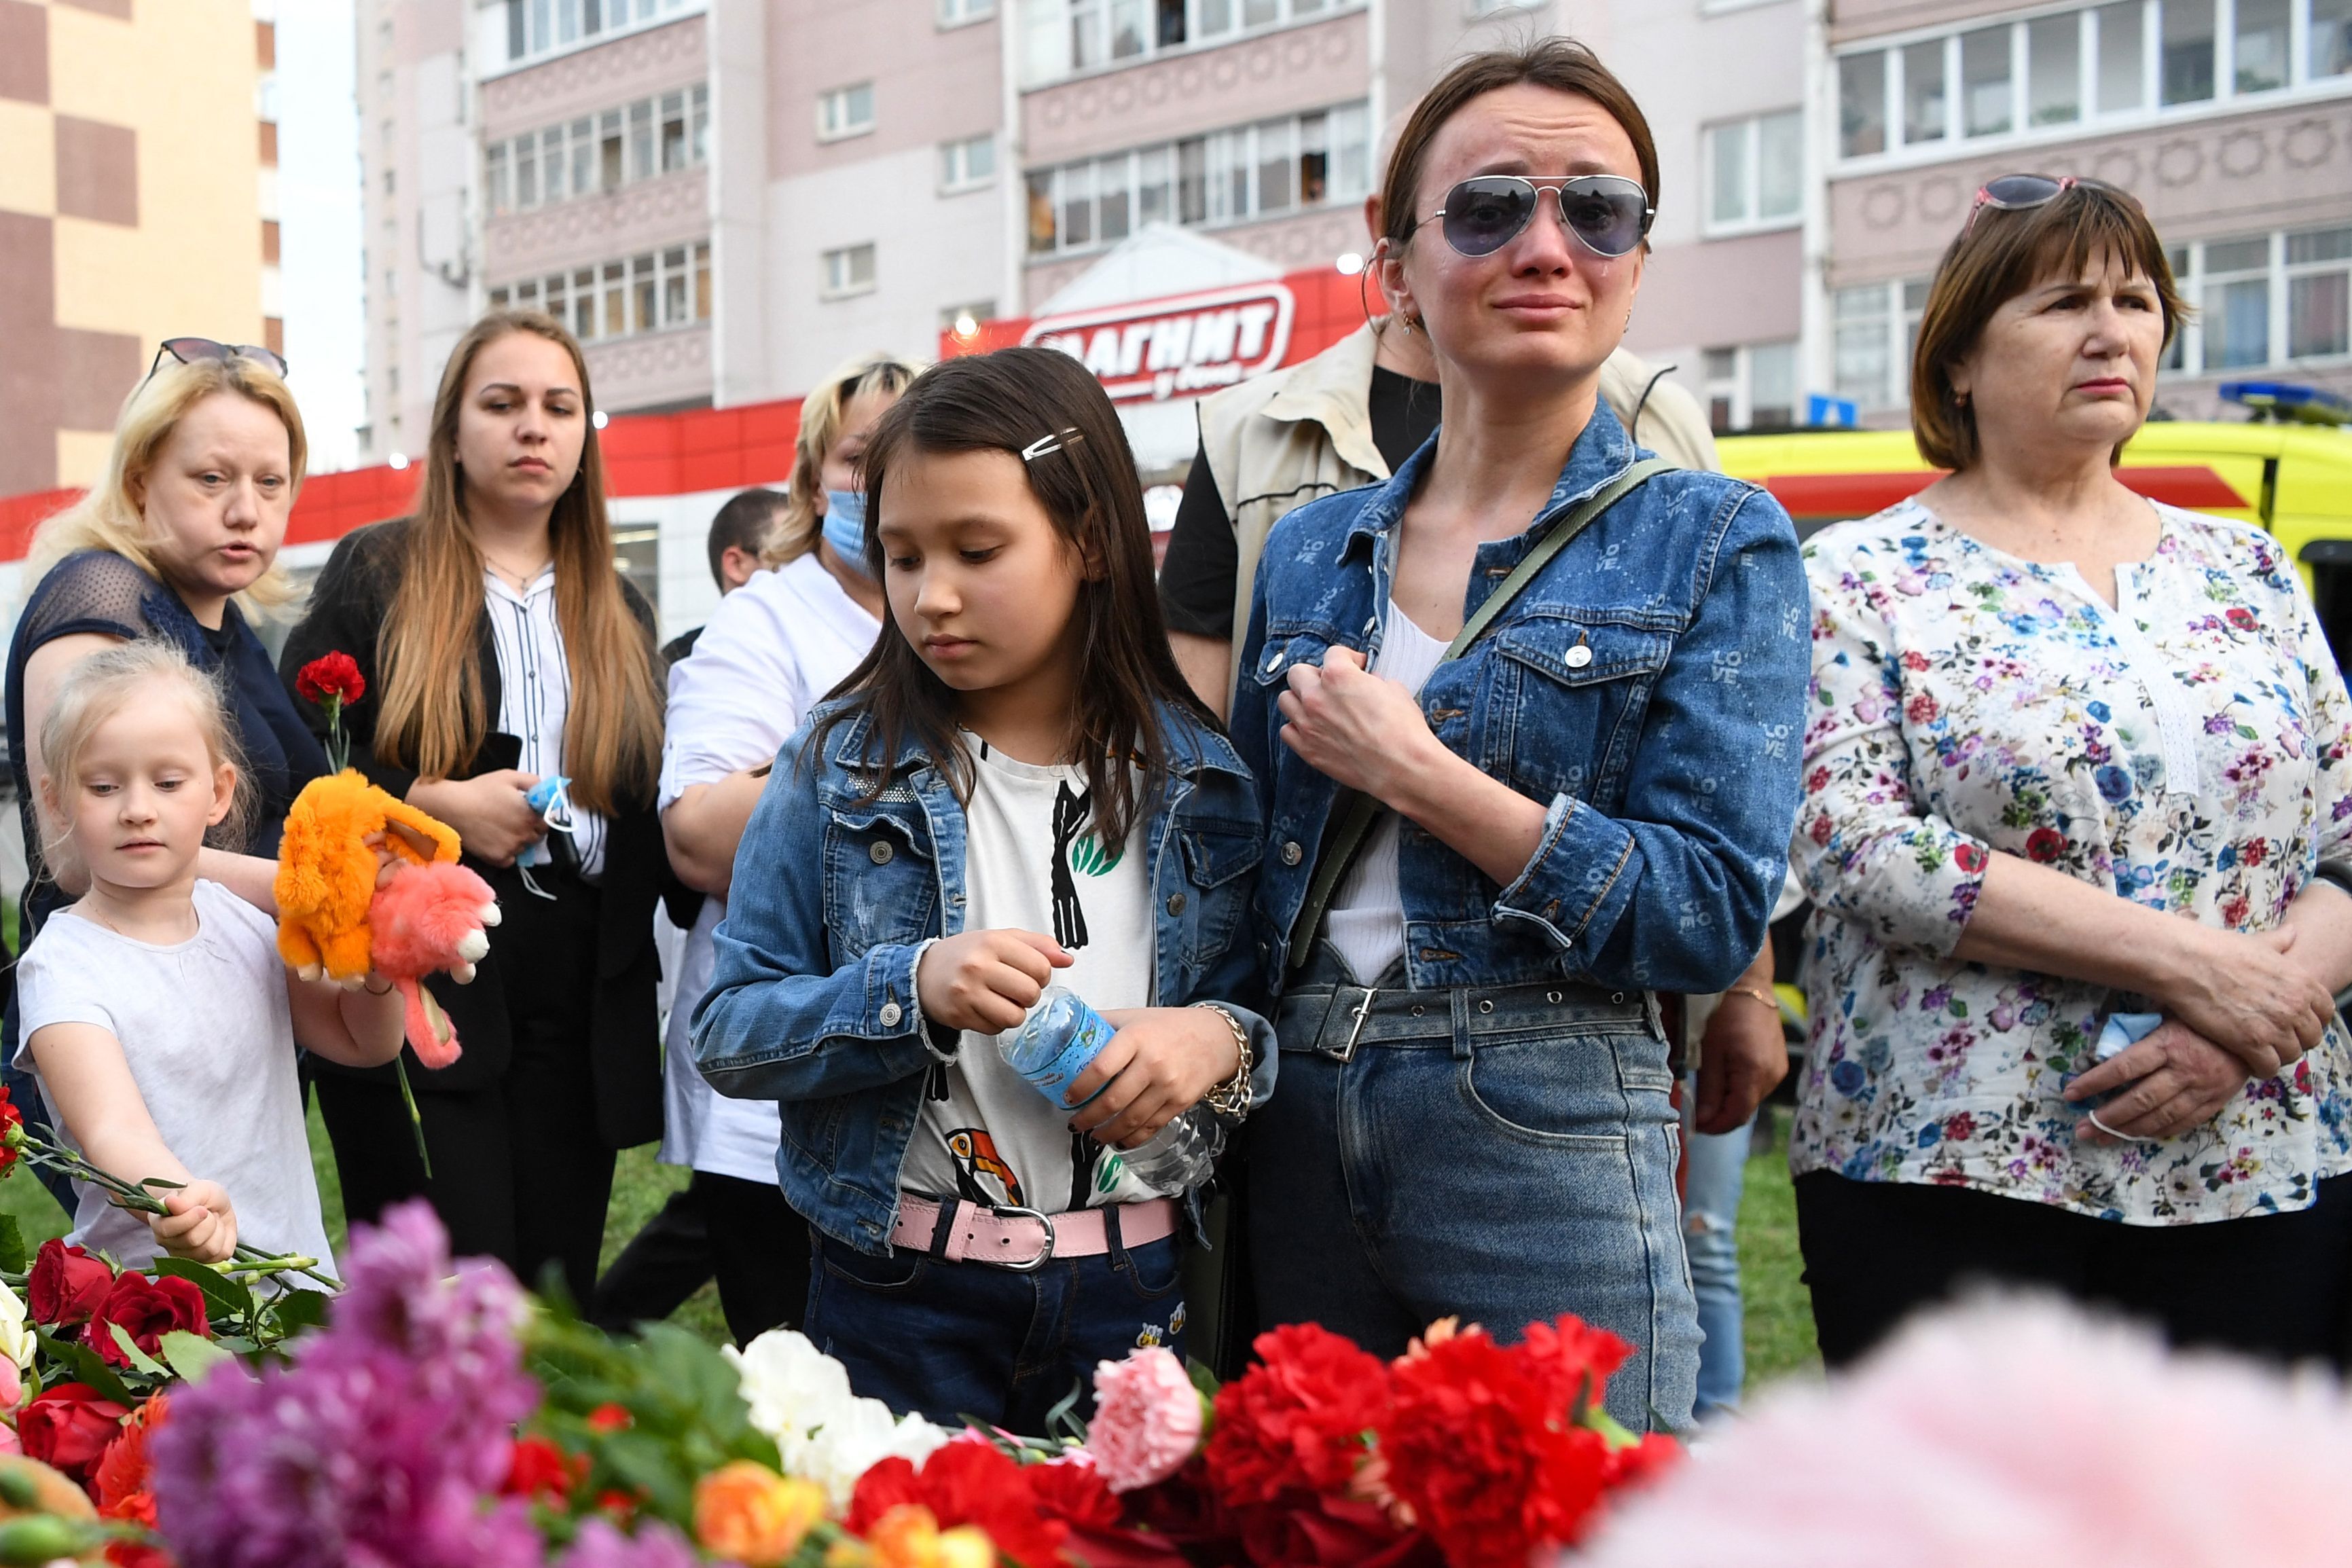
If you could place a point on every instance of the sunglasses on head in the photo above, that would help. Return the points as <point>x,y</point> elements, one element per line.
<point>188,350</point>
<point>1608,214</point>
<point>2022,193</point>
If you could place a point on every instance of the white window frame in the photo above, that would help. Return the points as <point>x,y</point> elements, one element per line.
<point>500,158</point>
<point>1900,300</point>
<point>956,174</point>
<point>1228,160</point>
<point>560,293</point>
<point>1738,388</point>
<point>1752,220</point>
<point>1049,29</point>
<point>834,109</point>
<point>963,13</point>
<point>839,266</point>
<point>543,31</point>
<point>2302,85</point>
<point>2190,360</point>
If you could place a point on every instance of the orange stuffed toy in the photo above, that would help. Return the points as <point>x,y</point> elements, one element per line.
<point>327,872</point>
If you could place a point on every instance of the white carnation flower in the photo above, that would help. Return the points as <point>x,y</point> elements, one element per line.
<point>801,1397</point>
<point>17,1342</point>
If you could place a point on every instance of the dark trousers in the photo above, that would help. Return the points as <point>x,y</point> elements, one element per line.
<point>957,1339</point>
<point>742,1232</point>
<point>2274,1285</point>
<point>519,1172</point>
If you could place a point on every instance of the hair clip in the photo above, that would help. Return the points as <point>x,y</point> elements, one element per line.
<point>1045,445</point>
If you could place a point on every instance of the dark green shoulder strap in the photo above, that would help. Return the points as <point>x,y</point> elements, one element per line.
<point>1359,811</point>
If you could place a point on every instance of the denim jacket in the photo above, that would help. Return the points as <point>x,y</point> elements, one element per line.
<point>812,1000</point>
<point>1649,685</point>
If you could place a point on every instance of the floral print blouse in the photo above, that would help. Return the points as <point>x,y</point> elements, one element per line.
<point>2187,749</point>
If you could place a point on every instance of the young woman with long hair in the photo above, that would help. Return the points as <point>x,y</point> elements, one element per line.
<point>501,648</point>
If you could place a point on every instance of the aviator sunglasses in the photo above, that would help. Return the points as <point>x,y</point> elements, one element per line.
<point>188,350</point>
<point>1608,214</point>
<point>2021,192</point>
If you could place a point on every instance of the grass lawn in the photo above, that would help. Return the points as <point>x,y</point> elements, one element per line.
<point>1779,1318</point>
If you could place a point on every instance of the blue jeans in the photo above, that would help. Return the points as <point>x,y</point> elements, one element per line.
<point>953,1339</point>
<point>1504,1155</point>
<point>1717,1171</point>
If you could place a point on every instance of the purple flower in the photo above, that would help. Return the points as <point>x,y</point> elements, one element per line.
<point>378,1446</point>
<point>656,1545</point>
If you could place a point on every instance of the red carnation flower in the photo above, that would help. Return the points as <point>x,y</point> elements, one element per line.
<point>2044,844</point>
<point>67,1285</point>
<point>12,1131</point>
<point>1066,1490</point>
<point>1482,1443</point>
<point>332,677</point>
<point>1295,1421</point>
<point>965,1483</point>
<point>68,1428</point>
<point>122,1476</point>
<point>147,1310</point>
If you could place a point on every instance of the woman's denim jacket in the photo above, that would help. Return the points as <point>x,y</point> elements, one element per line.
<point>1649,685</point>
<point>812,1000</point>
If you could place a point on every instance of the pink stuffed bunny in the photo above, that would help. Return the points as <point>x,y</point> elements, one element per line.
<point>425,919</point>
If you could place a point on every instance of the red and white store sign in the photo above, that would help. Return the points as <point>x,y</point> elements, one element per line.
<point>1181,346</point>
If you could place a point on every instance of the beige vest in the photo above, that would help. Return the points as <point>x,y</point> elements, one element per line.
<point>1281,440</point>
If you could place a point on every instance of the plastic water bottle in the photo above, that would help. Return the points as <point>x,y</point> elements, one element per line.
<point>1059,1039</point>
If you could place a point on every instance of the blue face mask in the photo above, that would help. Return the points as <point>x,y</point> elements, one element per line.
<point>845,527</point>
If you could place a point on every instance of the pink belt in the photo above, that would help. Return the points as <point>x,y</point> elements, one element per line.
<point>1023,1239</point>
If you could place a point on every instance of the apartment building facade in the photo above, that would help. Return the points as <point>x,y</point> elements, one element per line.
<point>138,201</point>
<point>725,198</point>
<point>2231,120</point>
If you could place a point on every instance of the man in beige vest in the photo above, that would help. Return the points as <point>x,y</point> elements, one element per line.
<point>1343,419</point>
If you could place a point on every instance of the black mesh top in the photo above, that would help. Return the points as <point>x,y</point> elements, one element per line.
<point>97,590</point>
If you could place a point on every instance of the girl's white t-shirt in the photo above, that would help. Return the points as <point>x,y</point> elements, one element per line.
<point>1366,921</point>
<point>208,1032</point>
<point>1032,862</point>
<point>771,650</point>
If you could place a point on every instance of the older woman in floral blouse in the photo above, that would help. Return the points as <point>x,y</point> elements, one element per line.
<point>2077,762</point>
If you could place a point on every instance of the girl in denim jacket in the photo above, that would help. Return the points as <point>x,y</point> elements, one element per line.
<point>1015,789</point>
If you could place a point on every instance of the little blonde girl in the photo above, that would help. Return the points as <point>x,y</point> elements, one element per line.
<point>159,1018</point>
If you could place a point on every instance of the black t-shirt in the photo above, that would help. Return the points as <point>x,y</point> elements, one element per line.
<point>1196,581</point>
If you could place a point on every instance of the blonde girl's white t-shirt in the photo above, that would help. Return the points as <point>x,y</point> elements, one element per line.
<point>770,652</point>
<point>1032,862</point>
<point>208,1032</point>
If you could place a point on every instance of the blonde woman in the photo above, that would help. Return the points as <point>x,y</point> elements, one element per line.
<point>186,520</point>
<point>773,648</point>
<point>500,648</point>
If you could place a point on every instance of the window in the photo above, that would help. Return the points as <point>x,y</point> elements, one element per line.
<point>1755,173</point>
<point>846,112</point>
<point>2260,61</point>
<point>849,271</point>
<point>2065,69</point>
<point>2186,70</point>
<point>537,27</point>
<point>600,152</point>
<point>1922,92</point>
<point>1986,100</point>
<point>2237,300</point>
<point>956,13</point>
<point>2318,294</point>
<point>965,321</point>
<point>1059,37</point>
<point>1274,166</point>
<point>1751,386</point>
<point>647,293</point>
<point>1861,104</point>
<point>968,164</point>
<point>2054,70</point>
<point>1874,328</point>
<point>2122,57</point>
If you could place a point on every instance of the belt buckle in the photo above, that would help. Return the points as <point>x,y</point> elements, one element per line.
<point>1046,1223</point>
<point>1347,1053</point>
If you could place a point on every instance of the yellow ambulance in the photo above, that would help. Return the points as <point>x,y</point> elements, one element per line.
<point>2289,470</point>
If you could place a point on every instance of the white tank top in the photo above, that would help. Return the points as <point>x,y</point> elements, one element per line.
<point>1366,922</point>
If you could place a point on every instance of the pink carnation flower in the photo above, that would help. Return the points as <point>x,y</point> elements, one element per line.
<point>1147,1420</point>
<point>2019,1432</point>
